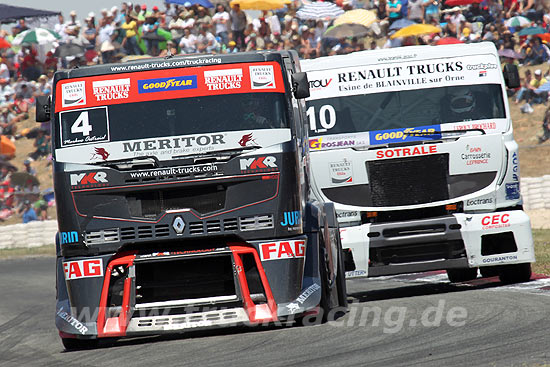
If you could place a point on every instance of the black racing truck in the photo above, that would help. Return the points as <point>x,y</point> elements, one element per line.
<point>183,198</point>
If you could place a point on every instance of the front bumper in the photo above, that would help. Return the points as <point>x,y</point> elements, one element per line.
<point>454,241</point>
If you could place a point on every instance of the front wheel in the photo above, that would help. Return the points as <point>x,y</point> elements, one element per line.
<point>516,273</point>
<point>461,275</point>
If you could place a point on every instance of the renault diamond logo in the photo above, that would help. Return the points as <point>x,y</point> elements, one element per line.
<point>178,225</point>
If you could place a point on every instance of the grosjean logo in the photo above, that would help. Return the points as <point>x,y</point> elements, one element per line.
<point>89,178</point>
<point>263,164</point>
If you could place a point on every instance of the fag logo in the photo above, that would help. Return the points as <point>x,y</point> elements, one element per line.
<point>282,250</point>
<point>264,164</point>
<point>100,153</point>
<point>83,269</point>
<point>90,178</point>
<point>246,139</point>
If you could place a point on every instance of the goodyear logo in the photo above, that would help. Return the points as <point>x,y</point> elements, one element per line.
<point>167,84</point>
<point>406,134</point>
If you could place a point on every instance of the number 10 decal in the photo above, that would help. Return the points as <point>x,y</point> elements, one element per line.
<point>327,118</point>
<point>84,126</point>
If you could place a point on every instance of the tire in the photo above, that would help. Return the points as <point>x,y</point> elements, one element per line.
<point>489,271</point>
<point>517,273</point>
<point>461,275</point>
<point>71,344</point>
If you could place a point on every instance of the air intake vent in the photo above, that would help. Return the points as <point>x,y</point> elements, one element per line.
<point>213,226</point>
<point>196,228</point>
<point>230,224</point>
<point>102,236</point>
<point>127,233</point>
<point>162,230</point>
<point>256,223</point>
<point>145,232</point>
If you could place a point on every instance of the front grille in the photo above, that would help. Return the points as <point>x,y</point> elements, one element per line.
<point>409,181</point>
<point>127,234</point>
<point>102,236</point>
<point>420,252</point>
<point>258,222</point>
<point>213,316</point>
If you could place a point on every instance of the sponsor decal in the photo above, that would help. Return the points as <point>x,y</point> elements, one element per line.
<point>175,171</point>
<point>475,155</point>
<point>477,125</point>
<point>69,237</point>
<point>83,269</point>
<point>293,307</point>
<point>512,191</point>
<point>89,126</point>
<point>341,172</point>
<point>89,179</point>
<point>108,90</point>
<point>515,166</point>
<point>167,84</point>
<point>482,66</point>
<point>406,134</point>
<point>317,144</point>
<point>262,77</point>
<point>499,259</point>
<point>73,94</point>
<point>482,73</point>
<point>346,214</point>
<point>282,250</point>
<point>177,253</point>
<point>319,83</point>
<point>259,164</point>
<point>495,221</point>
<point>355,273</point>
<point>172,143</point>
<point>290,219</point>
<point>100,153</point>
<point>248,138</point>
<point>406,152</point>
<point>72,321</point>
<point>475,202</point>
<point>223,79</point>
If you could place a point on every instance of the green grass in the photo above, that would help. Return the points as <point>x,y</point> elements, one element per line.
<point>48,250</point>
<point>542,251</point>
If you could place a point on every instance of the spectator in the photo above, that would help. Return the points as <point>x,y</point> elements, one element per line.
<point>28,167</point>
<point>416,11</point>
<point>150,35</point>
<point>42,145</point>
<point>238,25</point>
<point>221,20</point>
<point>536,83</point>
<point>393,10</point>
<point>545,127</point>
<point>188,43</point>
<point>130,43</point>
<point>526,89</point>
<point>29,215</point>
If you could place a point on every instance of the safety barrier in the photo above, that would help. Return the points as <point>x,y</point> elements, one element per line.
<point>33,234</point>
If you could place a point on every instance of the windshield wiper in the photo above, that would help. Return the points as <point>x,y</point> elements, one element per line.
<point>225,152</point>
<point>131,163</point>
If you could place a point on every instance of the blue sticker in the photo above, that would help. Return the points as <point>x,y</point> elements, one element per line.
<point>69,237</point>
<point>404,134</point>
<point>512,191</point>
<point>167,84</point>
<point>291,219</point>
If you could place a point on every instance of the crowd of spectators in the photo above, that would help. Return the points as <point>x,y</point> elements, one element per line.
<point>131,30</point>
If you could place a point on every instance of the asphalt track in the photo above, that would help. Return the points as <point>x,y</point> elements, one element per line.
<point>482,323</point>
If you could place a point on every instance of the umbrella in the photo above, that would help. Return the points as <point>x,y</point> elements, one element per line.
<point>7,147</point>
<point>23,179</point>
<point>510,54</point>
<point>260,4</point>
<point>347,30</point>
<point>517,21</point>
<point>204,3</point>
<point>461,2</point>
<point>416,30</point>
<point>37,35</point>
<point>69,49</point>
<point>531,31</point>
<point>448,41</point>
<point>401,23</point>
<point>544,37</point>
<point>357,16</point>
<point>4,43</point>
<point>319,10</point>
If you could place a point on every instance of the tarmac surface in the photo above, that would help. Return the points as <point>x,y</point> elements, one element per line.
<point>410,320</point>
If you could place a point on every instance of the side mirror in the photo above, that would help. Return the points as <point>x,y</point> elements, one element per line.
<point>511,76</point>
<point>43,108</point>
<point>300,85</point>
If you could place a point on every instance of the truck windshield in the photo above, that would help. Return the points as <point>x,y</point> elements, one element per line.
<point>186,116</point>
<point>402,109</point>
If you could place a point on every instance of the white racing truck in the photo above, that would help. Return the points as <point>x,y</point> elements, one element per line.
<point>414,145</point>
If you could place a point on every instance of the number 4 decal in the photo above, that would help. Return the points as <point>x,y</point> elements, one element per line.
<point>82,124</point>
<point>325,124</point>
